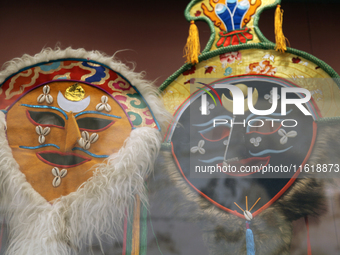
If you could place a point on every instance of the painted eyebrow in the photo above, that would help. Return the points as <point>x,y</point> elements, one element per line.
<point>46,107</point>
<point>100,113</point>
<point>39,146</point>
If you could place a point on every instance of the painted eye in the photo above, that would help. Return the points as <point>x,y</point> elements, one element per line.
<point>263,126</point>
<point>215,134</point>
<point>45,119</point>
<point>94,124</point>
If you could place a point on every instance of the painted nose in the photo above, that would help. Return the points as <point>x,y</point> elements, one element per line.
<point>72,133</point>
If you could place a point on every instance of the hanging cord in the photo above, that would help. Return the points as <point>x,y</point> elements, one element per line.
<point>250,240</point>
<point>192,49</point>
<point>250,243</point>
<point>136,228</point>
<point>309,248</point>
<point>279,36</point>
<point>143,230</point>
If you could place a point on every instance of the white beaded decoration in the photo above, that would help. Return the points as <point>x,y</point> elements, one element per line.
<point>57,176</point>
<point>103,105</point>
<point>42,132</point>
<point>86,140</point>
<point>45,96</point>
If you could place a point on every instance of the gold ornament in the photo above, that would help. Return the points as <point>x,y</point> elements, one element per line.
<point>75,93</point>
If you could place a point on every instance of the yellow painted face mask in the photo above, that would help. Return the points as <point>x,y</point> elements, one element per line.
<point>58,141</point>
<point>78,138</point>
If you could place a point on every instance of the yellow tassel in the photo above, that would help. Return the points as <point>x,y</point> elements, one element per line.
<point>279,36</point>
<point>192,48</point>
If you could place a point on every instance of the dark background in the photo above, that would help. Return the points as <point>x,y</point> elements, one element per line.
<point>152,33</point>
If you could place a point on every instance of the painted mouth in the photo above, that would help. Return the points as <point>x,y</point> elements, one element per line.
<point>245,167</point>
<point>59,159</point>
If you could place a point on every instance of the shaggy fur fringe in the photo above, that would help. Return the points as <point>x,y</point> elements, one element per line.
<point>146,88</point>
<point>96,209</point>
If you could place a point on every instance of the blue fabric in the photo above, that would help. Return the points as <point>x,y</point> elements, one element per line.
<point>238,16</point>
<point>231,5</point>
<point>226,17</point>
<point>49,67</point>
<point>98,74</point>
<point>250,242</point>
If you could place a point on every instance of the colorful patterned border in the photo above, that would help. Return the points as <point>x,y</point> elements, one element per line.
<point>84,70</point>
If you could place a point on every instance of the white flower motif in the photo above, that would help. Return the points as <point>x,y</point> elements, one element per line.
<point>57,176</point>
<point>317,91</point>
<point>103,105</point>
<point>285,135</point>
<point>270,57</point>
<point>256,141</point>
<point>86,140</point>
<point>270,97</point>
<point>198,148</point>
<point>294,76</point>
<point>209,107</point>
<point>45,95</point>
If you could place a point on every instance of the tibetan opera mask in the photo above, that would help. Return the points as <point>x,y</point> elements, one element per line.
<point>254,135</point>
<point>228,149</point>
<point>59,130</point>
<point>78,138</point>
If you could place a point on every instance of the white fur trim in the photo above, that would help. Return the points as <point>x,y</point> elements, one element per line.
<point>146,88</point>
<point>95,209</point>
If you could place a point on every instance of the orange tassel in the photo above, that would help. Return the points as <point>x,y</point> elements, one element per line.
<point>192,48</point>
<point>279,36</point>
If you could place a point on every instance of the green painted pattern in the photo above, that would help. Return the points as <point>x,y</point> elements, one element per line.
<point>143,230</point>
<point>138,120</point>
<point>141,105</point>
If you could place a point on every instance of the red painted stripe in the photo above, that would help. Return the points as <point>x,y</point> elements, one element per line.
<point>309,248</point>
<point>125,233</point>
